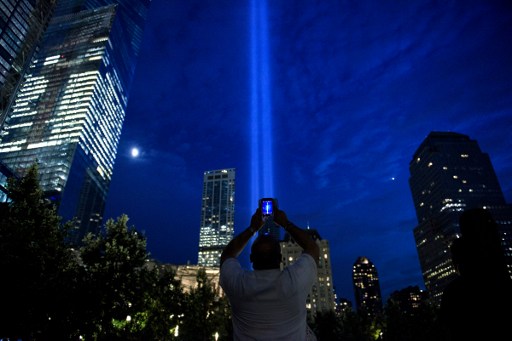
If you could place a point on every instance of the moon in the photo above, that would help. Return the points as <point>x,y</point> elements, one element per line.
<point>135,152</point>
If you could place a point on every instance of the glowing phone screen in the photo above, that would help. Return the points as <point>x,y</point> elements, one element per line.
<point>267,207</point>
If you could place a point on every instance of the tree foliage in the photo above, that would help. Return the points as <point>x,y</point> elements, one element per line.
<point>106,290</point>
<point>114,276</point>
<point>206,314</point>
<point>34,260</point>
<point>422,324</point>
<point>346,326</point>
<point>327,326</point>
<point>164,306</point>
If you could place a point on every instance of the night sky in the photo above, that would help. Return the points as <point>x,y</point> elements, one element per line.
<point>355,88</point>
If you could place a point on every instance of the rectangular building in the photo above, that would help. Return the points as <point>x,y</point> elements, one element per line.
<point>217,215</point>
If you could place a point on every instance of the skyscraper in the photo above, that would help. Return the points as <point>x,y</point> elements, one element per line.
<point>321,298</point>
<point>448,174</point>
<point>366,287</point>
<point>68,114</point>
<point>5,173</point>
<point>217,215</point>
<point>22,24</point>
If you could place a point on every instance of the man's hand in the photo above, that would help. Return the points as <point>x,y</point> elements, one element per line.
<point>237,244</point>
<point>299,235</point>
<point>280,218</point>
<point>256,221</point>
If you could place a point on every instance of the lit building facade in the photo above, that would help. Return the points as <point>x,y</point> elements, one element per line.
<point>343,306</point>
<point>68,113</point>
<point>5,174</point>
<point>448,174</point>
<point>322,296</point>
<point>187,275</point>
<point>22,24</point>
<point>217,215</point>
<point>408,301</point>
<point>366,287</point>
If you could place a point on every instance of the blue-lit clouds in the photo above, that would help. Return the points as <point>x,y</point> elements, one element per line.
<point>356,87</point>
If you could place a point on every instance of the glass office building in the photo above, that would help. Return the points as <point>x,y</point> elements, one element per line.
<point>217,215</point>
<point>68,114</point>
<point>5,174</point>
<point>22,23</point>
<point>448,174</point>
<point>366,287</point>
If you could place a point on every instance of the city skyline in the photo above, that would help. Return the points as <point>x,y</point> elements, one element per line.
<point>355,88</point>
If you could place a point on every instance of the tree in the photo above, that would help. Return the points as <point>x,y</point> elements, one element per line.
<point>327,326</point>
<point>34,259</point>
<point>421,323</point>
<point>356,326</point>
<point>206,313</point>
<point>106,290</point>
<point>115,280</point>
<point>164,305</point>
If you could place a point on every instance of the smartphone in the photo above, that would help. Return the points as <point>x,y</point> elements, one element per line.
<point>267,207</point>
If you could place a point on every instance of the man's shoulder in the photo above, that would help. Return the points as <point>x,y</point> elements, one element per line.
<point>230,263</point>
<point>307,258</point>
<point>304,263</point>
<point>230,260</point>
<point>229,272</point>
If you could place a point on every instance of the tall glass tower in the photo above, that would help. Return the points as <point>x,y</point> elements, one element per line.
<point>22,23</point>
<point>217,215</point>
<point>68,114</point>
<point>448,174</point>
<point>366,287</point>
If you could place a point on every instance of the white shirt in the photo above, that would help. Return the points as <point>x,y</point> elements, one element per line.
<point>269,304</point>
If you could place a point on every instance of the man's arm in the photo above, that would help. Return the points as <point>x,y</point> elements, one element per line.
<point>299,235</point>
<point>237,244</point>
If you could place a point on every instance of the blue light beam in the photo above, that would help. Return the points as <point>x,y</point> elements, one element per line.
<point>262,173</point>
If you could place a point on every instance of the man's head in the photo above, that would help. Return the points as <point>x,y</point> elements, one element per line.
<point>265,253</point>
<point>481,235</point>
<point>480,230</point>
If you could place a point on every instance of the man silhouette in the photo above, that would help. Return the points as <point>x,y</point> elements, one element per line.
<point>269,303</point>
<point>478,303</point>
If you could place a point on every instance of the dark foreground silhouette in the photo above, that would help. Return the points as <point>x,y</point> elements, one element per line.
<point>477,305</point>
